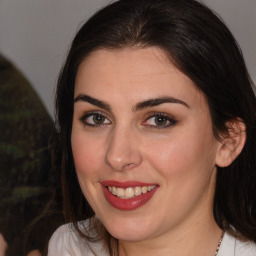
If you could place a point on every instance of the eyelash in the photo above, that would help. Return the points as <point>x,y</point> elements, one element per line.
<point>85,122</point>
<point>167,118</point>
<point>171,121</point>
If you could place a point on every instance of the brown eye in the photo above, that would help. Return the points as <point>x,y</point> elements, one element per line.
<point>98,119</point>
<point>159,120</point>
<point>95,119</point>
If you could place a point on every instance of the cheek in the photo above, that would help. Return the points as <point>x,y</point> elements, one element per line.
<point>172,161</point>
<point>183,155</point>
<point>86,158</point>
<point>86,153</point>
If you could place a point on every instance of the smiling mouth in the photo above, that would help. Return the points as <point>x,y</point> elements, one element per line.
<point>128,195</point>
<point>130,192</point>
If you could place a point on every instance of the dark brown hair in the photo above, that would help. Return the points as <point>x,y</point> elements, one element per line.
<point>201,46</point>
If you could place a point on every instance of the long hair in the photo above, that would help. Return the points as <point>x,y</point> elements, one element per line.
<point>200,45</point>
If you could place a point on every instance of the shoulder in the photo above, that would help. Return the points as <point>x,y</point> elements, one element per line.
<point>233,246</point>
<point>245,248</point>
<point>66,242</point>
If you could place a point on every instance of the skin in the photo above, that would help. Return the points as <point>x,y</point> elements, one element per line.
<point>3,245</point>
<point>35,253</point>
<point>179,157</point>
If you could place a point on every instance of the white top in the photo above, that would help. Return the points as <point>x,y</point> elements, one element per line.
<point>66,242</point>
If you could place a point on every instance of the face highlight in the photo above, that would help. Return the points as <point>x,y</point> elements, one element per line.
<point>142,143</point>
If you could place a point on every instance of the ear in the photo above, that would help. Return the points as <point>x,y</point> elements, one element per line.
<point>232,143</point>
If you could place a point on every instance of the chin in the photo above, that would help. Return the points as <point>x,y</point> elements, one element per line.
<point>128,236</point>
<point>127,231</point>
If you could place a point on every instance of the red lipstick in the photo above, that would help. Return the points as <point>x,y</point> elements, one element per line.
<point>131,203</point>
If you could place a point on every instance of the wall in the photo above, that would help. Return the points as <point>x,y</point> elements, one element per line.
<point>36,34</point>
<point>240,17</point>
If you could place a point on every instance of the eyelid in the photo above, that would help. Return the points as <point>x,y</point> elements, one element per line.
<point>91,113</point>
<point>171,119</point>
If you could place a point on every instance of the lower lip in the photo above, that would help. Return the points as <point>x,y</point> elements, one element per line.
<point>128,204</point>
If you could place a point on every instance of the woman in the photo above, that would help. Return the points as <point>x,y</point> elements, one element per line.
<point>156,116</point>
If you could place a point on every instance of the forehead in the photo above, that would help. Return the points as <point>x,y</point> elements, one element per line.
<point>130,60</point>
<point>133,73</point>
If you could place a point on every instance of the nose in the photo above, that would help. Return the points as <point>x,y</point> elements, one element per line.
<point>122,151</point>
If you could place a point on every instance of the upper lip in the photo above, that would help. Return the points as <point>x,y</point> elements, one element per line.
<point>126,184</point>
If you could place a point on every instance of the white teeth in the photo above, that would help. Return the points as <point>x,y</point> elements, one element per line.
<point>144,190</point>
<point>137,191</point>
<point>114,191</point>
<point>130,192</point>
<point>120,192</point>
<point>151,188</point>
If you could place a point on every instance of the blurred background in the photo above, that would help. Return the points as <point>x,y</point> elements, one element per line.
<point>35,36</point>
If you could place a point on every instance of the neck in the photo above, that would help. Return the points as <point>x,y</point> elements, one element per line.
<point>193,240</point>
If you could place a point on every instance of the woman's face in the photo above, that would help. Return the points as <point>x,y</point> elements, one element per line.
<point>142,143</point>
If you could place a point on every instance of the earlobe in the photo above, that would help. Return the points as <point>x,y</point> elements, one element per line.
<point>232,143</point>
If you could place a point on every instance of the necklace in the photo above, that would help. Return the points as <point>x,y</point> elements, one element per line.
<point>219,244</point>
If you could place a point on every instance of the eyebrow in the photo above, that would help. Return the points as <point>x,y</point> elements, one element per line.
<point>93,101</point>
<point>139,106</point>
<point>159,101</point>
